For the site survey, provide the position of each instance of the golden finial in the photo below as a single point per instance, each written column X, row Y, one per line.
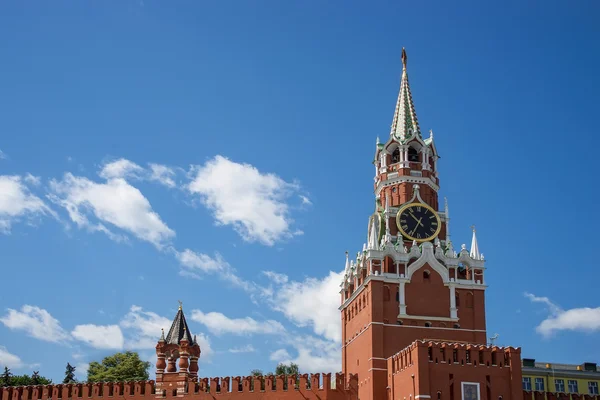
column 404, row 57
column 180, row 305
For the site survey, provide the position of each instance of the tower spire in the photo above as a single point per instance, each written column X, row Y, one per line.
column 474, row 246
column 405, row 124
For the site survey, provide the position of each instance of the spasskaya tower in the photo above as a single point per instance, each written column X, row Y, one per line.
column 408, row 282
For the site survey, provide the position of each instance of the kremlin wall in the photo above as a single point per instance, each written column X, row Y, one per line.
column 412, row 311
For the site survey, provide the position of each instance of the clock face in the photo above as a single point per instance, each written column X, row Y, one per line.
column 418, row 221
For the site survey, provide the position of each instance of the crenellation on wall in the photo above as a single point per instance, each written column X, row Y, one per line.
column 309, row 386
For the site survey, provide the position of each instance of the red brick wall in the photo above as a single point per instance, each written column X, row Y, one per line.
column 195, row 390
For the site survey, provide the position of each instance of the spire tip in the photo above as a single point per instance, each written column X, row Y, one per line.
column 404, row 57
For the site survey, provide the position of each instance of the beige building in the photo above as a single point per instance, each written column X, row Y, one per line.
column 561, row 378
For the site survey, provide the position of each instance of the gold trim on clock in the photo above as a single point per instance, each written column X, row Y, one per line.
column 427, row 206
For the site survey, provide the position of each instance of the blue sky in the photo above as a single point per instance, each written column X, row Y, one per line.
column 219, row 153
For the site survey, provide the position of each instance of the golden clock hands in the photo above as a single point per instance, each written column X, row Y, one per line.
column 415, row 218
column 418, row 223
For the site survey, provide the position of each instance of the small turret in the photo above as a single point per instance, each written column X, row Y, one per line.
column 178, row 344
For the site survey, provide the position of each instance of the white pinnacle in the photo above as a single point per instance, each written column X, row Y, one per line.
column 373, row 237
column 474, row 246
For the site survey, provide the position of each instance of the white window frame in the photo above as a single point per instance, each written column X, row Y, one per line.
column 556, row 386
column 536, row 380
column 526, row 379
column 462, row 389
column 576, row 386
column 592, row 384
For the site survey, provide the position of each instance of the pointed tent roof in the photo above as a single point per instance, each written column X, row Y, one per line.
column 405, row 124
column 179, row 329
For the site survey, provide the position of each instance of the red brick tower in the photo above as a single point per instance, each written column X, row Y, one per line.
column 408, row 283
column 178, row 344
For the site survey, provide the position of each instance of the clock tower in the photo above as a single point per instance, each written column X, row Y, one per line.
column 408, row 282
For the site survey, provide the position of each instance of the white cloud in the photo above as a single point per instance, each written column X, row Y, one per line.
column 162, row 174
column 107, row 337
column 583, row 319
column 275, row 277
column 145, row 327
column 312, row 354
column 16, row 202
column 305, row 200
column 254, row 203
column 312, row 302
column 9, row 360
column 121, row 168
column 81, row 371
column 280, row 355
column 315, row 354
column 244, row 349
column 196, row 265
column 37, row 322
column 219, row 324
column 193, row 263
column 126, row 169
column 32, row 180
column 115, row 202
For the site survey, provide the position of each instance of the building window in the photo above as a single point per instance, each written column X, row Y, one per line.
column 526, row 383
column 428, row 324
column 396, row 155
column 539, row 384
column 413, row 155
column 560, row 385
column 426, row 276
column 593, row 388
column 470, row 391
column 573, row 386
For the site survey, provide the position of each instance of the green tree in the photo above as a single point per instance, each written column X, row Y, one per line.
column 6, row 377
column 26, row 380
column 292, row 369
column 69, row 374
column 36, row 379
column 283, row 369
column 119, row 367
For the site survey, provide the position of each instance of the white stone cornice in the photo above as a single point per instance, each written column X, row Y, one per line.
column 406, row 178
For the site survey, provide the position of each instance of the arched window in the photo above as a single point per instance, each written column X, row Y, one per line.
column 469, row 300
column 398, row 297
column 413, row 154
column 396, row 155
column 428, row 324
column 457, row 299
column 426, row 276
column 456, row 326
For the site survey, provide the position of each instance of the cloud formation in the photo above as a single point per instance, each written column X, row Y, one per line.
column 312, row 302
column 9, row 360
column 584, row 319
column 219, row 324
column 115, row 203
column 37, row 323
column 17, row 202
column 254, row 203
column 106, row 337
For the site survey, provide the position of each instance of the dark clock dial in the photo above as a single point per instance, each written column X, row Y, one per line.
column 418, row 221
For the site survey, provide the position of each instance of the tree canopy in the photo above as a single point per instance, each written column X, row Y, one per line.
column 283, row 369
column 8, row 379
column 119, row 367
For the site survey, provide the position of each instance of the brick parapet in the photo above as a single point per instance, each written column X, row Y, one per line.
column 314, row 386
